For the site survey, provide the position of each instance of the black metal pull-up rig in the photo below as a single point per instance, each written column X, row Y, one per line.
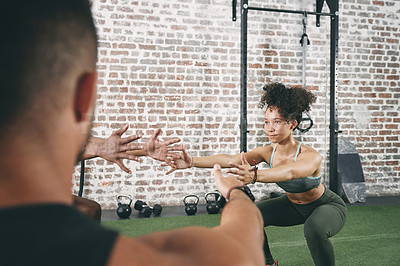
column 334, row 178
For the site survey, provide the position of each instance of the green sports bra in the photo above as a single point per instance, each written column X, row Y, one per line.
column 298, row 185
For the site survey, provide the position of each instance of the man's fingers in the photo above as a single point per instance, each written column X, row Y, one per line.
column 225, row 183
column 217, row 172
column 131, row 138
column 123, row 167
column 221, row 182
column 121, row 131
column 131, row 147
column 128, row 156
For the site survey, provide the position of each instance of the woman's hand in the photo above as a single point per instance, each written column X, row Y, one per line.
column 179, row 161
column 245, row 172
column 158, row 149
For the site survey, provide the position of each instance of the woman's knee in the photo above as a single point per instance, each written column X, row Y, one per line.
column 315, row 231
column 326, row 221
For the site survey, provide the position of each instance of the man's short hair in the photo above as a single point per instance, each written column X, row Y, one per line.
column 42, row 41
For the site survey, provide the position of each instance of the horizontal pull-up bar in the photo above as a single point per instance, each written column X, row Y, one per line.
column 287, row 11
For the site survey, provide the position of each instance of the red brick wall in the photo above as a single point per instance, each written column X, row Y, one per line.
column 176, row 65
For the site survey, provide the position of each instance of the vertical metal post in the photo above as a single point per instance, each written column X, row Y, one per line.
column 335, row 182
column 243, row 77
column 234, row 3
column 82, row 178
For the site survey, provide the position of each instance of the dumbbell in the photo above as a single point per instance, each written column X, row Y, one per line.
column 146, row 210
column 157, row 209
column 212, row 205
column 191, row 207
column 142, row 207
column 124, row 210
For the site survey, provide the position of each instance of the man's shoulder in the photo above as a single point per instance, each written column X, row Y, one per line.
column 48, row 232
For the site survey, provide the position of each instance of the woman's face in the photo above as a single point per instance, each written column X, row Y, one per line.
column 276, row 127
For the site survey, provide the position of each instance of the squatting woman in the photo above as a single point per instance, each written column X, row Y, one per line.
column 293, row 166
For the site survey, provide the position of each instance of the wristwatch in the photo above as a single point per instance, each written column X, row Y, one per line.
column 243, row 188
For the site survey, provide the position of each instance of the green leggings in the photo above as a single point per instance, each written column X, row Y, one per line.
column 322, row 219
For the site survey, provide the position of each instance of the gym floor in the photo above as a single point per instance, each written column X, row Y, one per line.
column 173, row 211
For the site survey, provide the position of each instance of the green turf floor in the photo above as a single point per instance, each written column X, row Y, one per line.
column 371, row 236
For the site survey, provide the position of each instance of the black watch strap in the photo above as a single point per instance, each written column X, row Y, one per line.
column 243, row 188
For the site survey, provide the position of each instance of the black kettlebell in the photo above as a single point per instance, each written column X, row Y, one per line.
column 221, row 201
column 212, row 205
column 124, row 210
column 191, row 207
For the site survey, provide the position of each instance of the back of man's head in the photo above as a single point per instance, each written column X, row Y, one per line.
column 43, row 42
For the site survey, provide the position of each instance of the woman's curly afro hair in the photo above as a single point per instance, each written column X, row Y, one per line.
column 290, row 101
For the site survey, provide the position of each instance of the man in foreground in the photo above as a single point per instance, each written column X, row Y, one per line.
column 47, row 101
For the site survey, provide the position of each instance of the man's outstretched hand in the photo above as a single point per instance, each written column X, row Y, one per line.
column 224, row 183
column 115, row 148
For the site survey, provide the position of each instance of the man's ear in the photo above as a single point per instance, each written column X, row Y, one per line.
column 85, row 95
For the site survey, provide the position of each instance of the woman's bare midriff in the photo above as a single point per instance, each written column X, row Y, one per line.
column 307, row 197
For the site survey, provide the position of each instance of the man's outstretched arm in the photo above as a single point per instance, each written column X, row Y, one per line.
column 237, row 240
